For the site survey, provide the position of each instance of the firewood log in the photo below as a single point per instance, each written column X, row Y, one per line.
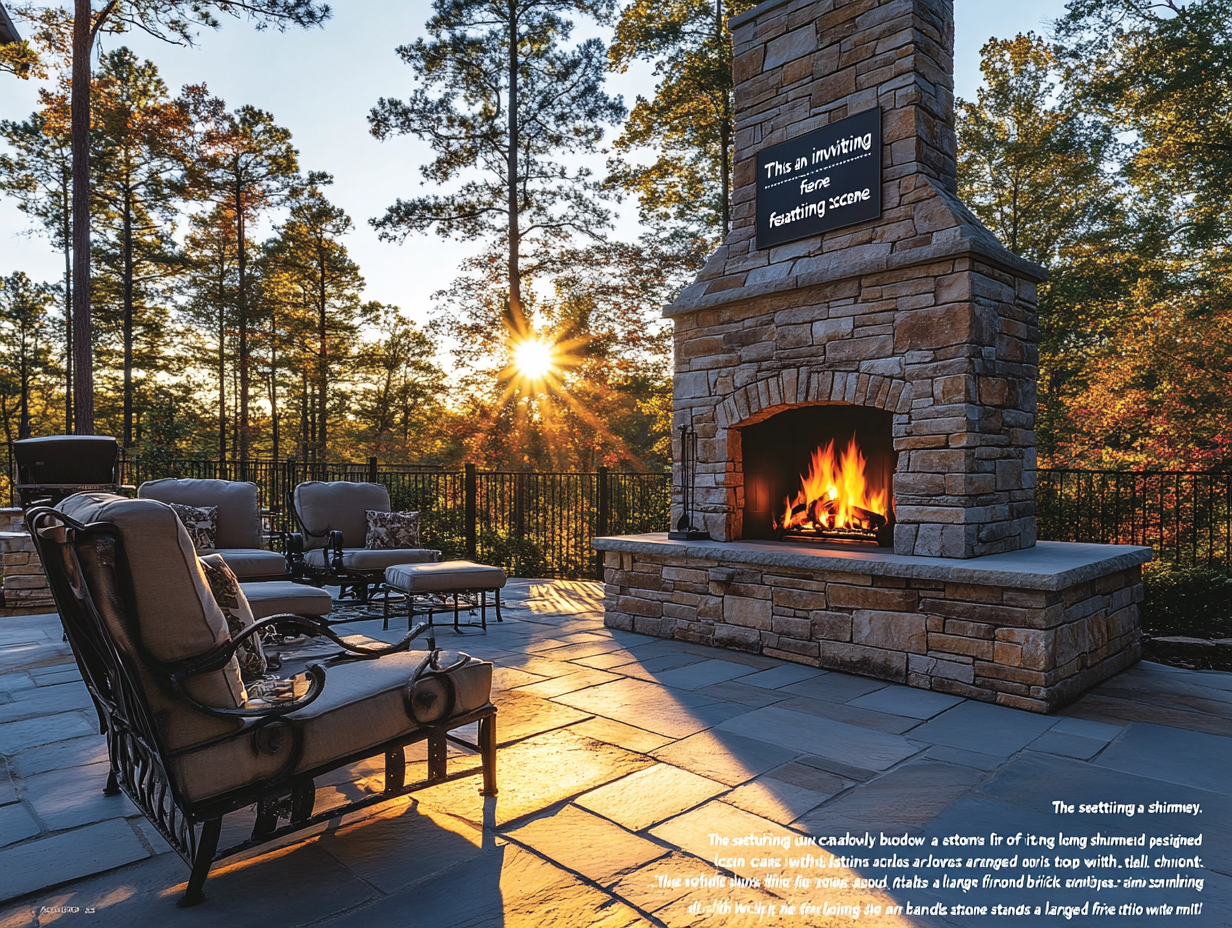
column 870, row 520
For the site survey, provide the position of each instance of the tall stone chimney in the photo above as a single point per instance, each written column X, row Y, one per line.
column 907, row 305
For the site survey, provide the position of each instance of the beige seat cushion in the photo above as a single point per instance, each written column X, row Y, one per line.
column 362, row 707
column 339, row 506
column 446, row 575
column 176, row 615
column 251, row 563
column 238, row 502
column 365, row 559
column 278, row 596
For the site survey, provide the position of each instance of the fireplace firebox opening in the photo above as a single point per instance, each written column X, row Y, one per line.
column 821, row 472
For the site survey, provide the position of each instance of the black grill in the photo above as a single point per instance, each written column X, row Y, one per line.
column 51, row 468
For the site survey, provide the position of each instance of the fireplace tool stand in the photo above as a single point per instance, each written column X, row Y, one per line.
column 684, row 529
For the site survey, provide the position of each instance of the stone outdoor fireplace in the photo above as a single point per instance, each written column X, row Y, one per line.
column 858, row 361
column 919, row 313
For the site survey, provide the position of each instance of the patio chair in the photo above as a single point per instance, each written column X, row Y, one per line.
column 188, row 740
column 332, row 549
column 238, row 535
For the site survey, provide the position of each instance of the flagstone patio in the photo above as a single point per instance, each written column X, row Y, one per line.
column 621, row 756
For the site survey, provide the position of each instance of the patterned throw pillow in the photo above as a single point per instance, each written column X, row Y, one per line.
column 201, row 522
column 392, row 530
column 234, row 605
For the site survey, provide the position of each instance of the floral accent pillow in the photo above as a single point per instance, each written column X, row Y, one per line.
column 271, row 690
column 234, row 605
column 392, row 530
column 201, row 522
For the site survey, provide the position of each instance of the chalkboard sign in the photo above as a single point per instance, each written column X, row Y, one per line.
column 825, row 180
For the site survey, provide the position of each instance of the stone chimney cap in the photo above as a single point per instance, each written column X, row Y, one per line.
column 744, row 17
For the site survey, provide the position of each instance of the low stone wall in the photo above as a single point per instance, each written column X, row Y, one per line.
column 25, row 586
column 1024, row 638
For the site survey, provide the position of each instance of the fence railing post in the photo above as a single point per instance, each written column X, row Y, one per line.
column 470, row 488
column 604, row 524
column 519, row 505
column 372, row 470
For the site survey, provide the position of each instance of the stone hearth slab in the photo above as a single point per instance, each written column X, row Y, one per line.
column 1031, row 628
column 1050, row 565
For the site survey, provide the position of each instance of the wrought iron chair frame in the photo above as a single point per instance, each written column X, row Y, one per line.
column 363, row 584
column 87, row 568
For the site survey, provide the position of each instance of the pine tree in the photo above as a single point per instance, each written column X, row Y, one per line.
column 24, row 345
column 209, row 305
column 38, row 175
column 690, row 119
column 509, row 99
column 171, row 20
column 140, row 140
column 310, row 274
column 244, row 163
column 401, row 389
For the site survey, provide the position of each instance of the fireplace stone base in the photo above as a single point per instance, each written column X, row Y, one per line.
column 1032, row 629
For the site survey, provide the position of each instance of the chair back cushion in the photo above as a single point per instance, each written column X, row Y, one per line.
column 238, row 502
column 337, row 507
column 175, row 611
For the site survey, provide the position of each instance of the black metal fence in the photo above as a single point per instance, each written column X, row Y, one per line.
column 540, row 524
column 532, row 524
column 1186, row 516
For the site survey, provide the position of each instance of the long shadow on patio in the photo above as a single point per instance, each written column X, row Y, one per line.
column 621, row 757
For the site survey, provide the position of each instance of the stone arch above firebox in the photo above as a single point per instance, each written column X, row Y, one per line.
column 804, row 385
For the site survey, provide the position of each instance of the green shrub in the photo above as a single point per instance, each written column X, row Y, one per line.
column 1194, row 601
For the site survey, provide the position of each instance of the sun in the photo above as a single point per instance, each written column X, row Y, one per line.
column 534, row 358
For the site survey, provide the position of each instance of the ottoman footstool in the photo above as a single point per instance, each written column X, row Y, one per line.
column 465, row 581
column 278, row 596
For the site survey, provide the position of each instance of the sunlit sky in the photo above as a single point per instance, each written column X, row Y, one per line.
column 321, row 84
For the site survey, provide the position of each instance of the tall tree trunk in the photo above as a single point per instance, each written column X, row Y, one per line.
column 235, row 420
column 66, row 186
column 322, row 357
column 222, row 360
column 273, row 382
column 128, row 318
column 724, row 134
column 23, row 417
column 517, row 319
column 304, row 443
column 242, row 265
column 83, row 375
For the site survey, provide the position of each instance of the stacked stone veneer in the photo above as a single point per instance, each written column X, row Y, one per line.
column 921, row 313
column 25, row 585
column 1018, row 646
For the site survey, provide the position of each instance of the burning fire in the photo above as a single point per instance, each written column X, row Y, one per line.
column 834, row 496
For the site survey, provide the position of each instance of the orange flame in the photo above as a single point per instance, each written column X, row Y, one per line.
column 834, row 495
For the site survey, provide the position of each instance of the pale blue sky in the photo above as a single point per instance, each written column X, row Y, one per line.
column 321, row 84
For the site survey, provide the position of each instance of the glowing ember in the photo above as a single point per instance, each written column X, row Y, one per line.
column 834, row 496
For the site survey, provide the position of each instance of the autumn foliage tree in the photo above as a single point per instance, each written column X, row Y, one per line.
column 689, row 121
column 1155, row 392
